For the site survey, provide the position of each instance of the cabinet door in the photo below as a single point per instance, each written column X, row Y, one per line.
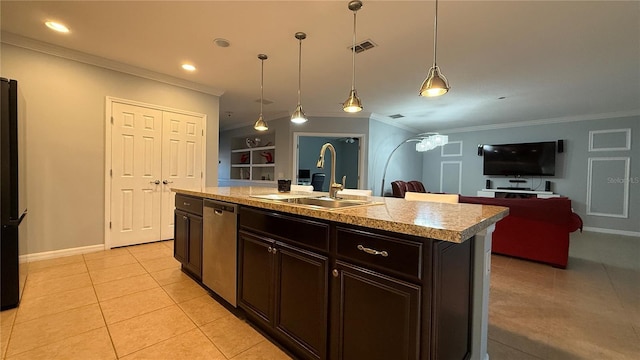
column 373, row 316
column 301, row 303
column 194, row 251
column 181, row 236
column 256, row 276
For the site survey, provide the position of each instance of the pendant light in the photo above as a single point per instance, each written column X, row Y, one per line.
column 260, row 124
column 436, row 83
column 353, row 103
column 298, row 116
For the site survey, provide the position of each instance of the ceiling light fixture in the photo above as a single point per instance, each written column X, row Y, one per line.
column 298, row 116
column 260, row 124
column 221, row 42
column 188, row 67
column 353, row 103
column 57, row 26
column 436, row 83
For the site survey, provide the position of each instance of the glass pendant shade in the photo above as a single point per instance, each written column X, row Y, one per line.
column 298, row 116
column 431, row 142
column 353, row 103
column 435, row 84
column 260, row 124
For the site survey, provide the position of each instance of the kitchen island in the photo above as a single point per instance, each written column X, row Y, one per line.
column 391, row 279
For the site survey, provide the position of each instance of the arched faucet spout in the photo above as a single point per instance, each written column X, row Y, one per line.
column 334, row 187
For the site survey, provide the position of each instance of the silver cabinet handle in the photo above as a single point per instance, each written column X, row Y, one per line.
column 184, row 218
column 157, row 182
column 167, row 182
column 186, row 204
column 270, row 249
column 373, row 251
column 335, row 273
column 274, row 251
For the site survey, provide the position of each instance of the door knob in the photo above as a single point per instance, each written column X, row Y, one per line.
column 157, row 182
column 167, row 182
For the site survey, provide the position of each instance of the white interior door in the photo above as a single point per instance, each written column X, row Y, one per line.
column 136, row 166
column 181, row 162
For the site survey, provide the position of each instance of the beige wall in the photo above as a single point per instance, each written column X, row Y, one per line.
column 66, row 140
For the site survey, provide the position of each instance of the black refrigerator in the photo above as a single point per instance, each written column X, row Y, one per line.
column 13, row 203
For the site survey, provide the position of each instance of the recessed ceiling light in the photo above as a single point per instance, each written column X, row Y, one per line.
column 188, row 67
column 221, row 42
column 57, row 26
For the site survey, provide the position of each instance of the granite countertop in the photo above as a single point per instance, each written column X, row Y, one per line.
column 449, row 222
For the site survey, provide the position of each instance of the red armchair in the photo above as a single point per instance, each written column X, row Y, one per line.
column 535, row 229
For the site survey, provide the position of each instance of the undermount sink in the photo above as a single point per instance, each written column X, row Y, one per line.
column 327, row 202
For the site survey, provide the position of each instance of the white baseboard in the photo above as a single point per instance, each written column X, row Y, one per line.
column 60, row 253
column 612, row 231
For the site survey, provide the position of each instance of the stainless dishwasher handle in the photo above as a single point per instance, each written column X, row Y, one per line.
column 373, row 251
column 218, row 212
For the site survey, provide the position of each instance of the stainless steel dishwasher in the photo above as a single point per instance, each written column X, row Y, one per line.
column 219, row 249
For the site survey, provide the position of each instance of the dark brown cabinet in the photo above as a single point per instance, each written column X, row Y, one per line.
column 256, row 277
column 373, row 316
column 187, row 245
column 326, row 290
column 301, row 299
column 375, row 296
column 285, row 288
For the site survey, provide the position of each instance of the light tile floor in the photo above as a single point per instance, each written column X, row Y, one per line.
column 126, row 303
column 591, row 310
column 135, row 303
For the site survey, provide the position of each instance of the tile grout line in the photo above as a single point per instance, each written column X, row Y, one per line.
column 64, row 338
column 174, row 303
column 187, row 315
column 13, row 323
column 113, row 346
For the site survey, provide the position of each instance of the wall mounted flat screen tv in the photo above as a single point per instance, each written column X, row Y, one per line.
column 527, row 159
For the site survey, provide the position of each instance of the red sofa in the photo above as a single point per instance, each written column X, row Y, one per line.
column 535, row 229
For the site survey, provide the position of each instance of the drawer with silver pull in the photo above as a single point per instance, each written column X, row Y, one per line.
column 189, row 204
column 397, row 256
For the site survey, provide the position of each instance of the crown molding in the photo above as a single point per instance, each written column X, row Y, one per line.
column 66, row 53
column 564, row 119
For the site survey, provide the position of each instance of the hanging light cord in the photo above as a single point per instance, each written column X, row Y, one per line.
column 299, row 68
column 353, row 52
column 435, row 35
column 261, row 84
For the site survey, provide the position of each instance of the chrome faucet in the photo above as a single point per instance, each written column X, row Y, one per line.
column 334, row 187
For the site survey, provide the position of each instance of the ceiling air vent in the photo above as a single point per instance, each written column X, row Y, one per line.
column 365, row 45
column 264, row 101
column 396, row 116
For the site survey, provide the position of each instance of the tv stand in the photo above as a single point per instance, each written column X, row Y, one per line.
column 513, row 188
column 513, row 193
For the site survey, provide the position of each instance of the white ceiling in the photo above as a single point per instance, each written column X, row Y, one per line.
column 550, row 59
